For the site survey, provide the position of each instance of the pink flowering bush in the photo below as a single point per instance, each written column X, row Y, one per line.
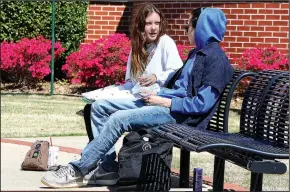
column 100, row 63
column 257, row 59
column 28, row 61
column 183, row 51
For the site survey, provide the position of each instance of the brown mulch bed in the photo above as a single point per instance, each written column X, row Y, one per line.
column 44, row 88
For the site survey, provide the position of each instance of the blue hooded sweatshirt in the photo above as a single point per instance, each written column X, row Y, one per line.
column 210, row 28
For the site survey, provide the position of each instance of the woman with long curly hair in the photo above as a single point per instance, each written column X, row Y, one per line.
column 154, row 55
column 153, row 59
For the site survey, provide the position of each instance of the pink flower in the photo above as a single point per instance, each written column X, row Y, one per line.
column 28, row 60
column 183, row 51
column 257, row 59
column 100, row 63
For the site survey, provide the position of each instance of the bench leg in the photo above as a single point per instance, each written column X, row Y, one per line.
column 184, row 168
column 87, row 118
column 218, row 174
column 256, row 181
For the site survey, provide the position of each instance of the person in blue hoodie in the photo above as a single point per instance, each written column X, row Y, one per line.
column 191, row 98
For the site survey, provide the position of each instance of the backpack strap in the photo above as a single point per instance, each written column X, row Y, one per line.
column 139, row 134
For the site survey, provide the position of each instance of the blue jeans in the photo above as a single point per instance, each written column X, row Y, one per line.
column 112, row 118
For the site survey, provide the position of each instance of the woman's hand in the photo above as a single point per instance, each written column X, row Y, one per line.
column 157, row 100
column 145, row 93
column 147, row 80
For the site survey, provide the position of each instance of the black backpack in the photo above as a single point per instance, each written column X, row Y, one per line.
column 144, row 162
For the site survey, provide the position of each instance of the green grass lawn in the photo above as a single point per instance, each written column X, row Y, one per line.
column 43, row 115
column 39, row 115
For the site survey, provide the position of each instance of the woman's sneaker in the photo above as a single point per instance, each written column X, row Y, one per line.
column 100, row 176
column 65, row 177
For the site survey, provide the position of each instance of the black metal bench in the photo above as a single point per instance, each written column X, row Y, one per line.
column 263, row 136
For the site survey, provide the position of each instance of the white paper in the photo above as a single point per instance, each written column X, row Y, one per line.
column 110, row 92
column 116, row 92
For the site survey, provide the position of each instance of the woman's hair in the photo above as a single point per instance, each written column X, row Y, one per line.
column 195, row 15
column 139, row 55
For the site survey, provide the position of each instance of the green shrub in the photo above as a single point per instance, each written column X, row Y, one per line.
column 20, row 19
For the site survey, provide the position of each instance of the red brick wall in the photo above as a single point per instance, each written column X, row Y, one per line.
column 107, row 18
column 249, row 24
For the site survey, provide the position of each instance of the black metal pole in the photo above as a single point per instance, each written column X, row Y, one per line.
column 52, row 48
column 184, row 168
column 256, row 181
column 218, row 174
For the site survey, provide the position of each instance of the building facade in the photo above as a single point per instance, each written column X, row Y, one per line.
column 249, row 23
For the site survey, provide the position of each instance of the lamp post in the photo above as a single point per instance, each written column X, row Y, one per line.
column 52, row 49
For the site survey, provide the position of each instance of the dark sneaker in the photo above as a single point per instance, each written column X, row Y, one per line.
column 65, row 177
column 100, row 176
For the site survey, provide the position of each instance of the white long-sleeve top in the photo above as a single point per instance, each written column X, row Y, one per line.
column 164, row 63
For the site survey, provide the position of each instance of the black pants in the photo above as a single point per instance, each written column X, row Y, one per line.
column 87, row 119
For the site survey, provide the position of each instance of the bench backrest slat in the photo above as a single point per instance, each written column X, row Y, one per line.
column 265, row 108
column 219, row 121
column 273, row 120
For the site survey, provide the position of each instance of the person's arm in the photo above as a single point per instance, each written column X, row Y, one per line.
column 172, row 93
column 217, row 73
column 171, row 60
column 179, row 91
column 128, row 85
column 199, row 104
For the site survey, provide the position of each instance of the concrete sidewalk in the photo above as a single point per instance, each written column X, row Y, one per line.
column 12, row 155
column 13, row 151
